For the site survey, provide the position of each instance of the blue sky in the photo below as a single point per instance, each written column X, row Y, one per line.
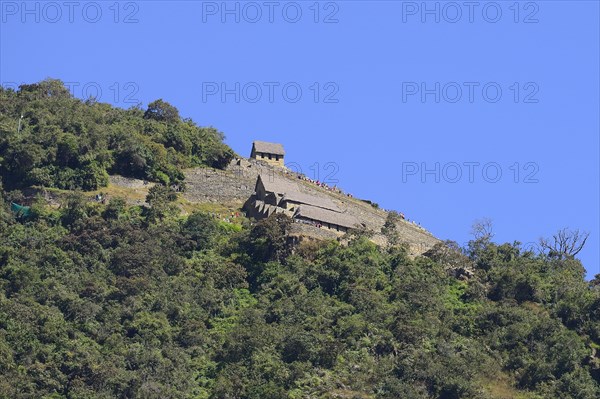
column 446, row 111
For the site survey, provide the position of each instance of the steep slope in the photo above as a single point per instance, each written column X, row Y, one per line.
column 236, row 184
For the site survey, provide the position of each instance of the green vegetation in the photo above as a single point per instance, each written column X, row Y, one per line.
column 63, row 142
column 118, row 301
column 104, row 301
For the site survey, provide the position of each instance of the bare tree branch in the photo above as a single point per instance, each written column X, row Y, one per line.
column 482, row 229
column 565, row 244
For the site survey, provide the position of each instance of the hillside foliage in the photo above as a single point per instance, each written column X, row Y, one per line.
column 105, row 301
column 51, row 139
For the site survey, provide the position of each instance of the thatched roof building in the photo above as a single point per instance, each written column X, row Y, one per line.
column 271, row 153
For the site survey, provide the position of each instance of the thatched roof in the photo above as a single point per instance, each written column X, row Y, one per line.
column 274, row 184
column 326, row 216
column 309, row 199
column 268, row 148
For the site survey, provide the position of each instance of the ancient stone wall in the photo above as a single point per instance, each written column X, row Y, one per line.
column 236, row 184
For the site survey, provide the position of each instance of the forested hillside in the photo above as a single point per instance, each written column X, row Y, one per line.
column 49, row 138
column 117, row 301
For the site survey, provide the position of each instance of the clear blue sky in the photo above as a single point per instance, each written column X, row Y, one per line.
column 388, row 90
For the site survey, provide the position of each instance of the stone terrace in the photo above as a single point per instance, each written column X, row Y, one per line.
column 236, row 184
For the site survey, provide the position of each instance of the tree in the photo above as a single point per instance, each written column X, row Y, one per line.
column 482, row 229
column 450, row 255
column 160, row 110
column 115, row 207
column 201, row 229
column 47, row 88
column 389, row 229
column 160, row 198
column 73, row 208
column 67, row 150
column 565, row 244
column 270, row 238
